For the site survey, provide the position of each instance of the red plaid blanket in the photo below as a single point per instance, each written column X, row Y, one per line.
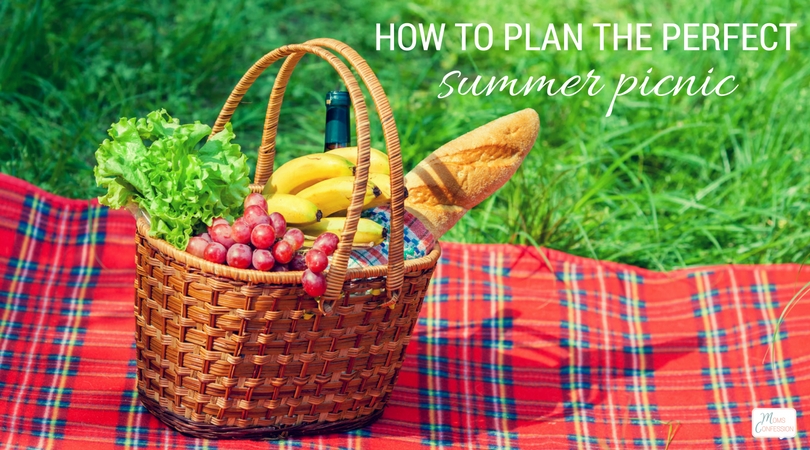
column 511, row 351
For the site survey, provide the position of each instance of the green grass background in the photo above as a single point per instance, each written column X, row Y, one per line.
column 662, row 183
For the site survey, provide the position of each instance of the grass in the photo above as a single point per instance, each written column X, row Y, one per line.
column 663, row 183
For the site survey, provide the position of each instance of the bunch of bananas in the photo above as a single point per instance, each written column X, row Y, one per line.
column 313, row 192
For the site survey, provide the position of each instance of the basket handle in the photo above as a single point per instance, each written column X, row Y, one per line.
column 337, row 273
column 264, row 166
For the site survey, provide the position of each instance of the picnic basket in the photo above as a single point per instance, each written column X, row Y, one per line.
column 243, row 354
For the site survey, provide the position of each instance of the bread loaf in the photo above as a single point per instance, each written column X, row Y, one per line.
column 467, row 170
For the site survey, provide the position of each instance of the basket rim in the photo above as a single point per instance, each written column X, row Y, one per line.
column 256, row 276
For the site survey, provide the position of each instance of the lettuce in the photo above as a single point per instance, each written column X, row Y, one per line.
column 156, row 163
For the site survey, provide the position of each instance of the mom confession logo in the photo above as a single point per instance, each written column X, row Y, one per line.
column 609, row 37
column 773, row 422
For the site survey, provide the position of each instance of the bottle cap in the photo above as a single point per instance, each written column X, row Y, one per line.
column 338, row 98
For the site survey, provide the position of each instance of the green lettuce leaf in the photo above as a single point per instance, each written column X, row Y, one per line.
column 183, row 186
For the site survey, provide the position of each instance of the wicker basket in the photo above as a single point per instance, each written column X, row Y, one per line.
column 235, row 353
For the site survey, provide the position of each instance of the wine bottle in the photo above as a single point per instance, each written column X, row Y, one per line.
column 337, row 133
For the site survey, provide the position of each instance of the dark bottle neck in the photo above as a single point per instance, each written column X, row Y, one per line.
column 338, row 133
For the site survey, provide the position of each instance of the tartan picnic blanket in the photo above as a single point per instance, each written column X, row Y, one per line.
column 515, row 348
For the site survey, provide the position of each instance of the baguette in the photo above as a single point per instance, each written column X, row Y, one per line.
column 465, row 171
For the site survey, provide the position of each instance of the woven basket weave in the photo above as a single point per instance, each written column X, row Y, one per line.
column 236, row 353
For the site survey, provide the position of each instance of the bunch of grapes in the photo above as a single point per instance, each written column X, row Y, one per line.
column 262, row 241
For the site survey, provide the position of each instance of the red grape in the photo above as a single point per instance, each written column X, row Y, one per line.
column 240, row 231
column 219, row 220
column 280, row 268
column 256, row 215
column 279, row 223
column 216, row 222
column 207, row 237
column 256, row 199
column 295, row 237
column 263, row 236
column 196, row 246
column 263, row 260
column 216, row 253
column 221, row 233
column 298, row 263
column 317, row 260
column 240, row 256
column 283, row 252
column 327, row 243
column 314, row 283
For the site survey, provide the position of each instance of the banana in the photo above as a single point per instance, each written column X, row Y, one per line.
column 383, row 182
column 295, row 210
column 379, row 160
column 300, row 173
column 335, row 194
column 368, row 231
